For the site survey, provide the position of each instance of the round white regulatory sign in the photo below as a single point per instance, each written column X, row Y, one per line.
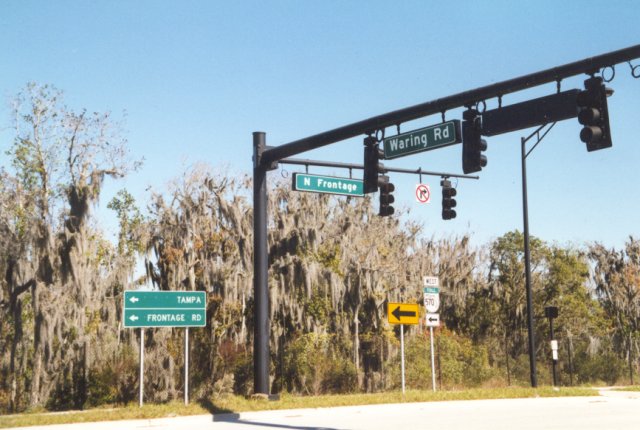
column 422, row 193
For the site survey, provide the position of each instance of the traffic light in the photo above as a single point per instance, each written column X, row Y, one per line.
column 472, row 142
column 374, row 178
column 448, row 201
column 594, row 114
column 372, row 166
column 386, row 198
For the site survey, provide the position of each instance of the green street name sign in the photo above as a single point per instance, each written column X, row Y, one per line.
column 424, row 139
column 164, row 318
column 327, row 184
column 165, row 309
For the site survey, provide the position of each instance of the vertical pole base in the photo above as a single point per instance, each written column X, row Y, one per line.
column 141, row 379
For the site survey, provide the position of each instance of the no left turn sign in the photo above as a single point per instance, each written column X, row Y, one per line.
column 423, row 194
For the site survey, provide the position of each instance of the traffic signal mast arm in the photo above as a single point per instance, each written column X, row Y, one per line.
column 419, row 171
column 467, row 98
column 386, row 188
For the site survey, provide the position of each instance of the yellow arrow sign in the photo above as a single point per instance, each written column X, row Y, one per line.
column 403, row 313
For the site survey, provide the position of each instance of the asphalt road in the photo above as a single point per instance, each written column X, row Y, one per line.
column 615, row 411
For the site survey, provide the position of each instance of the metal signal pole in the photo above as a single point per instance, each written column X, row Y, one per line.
column 527, row 251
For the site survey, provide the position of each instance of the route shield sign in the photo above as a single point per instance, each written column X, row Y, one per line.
column 431, row 293
column 424, row 139
column 431, row 299
column 403, row 313
column 328, row 184
column 165, row 309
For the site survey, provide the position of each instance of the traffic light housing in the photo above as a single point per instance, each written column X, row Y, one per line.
column 386, row 198
column 473, row 145
column 373, row 168
column 594, row 114
column 448, row 201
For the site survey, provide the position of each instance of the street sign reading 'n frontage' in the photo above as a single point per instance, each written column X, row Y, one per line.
column 165, row 309
column 328, row 184
column 424, row 139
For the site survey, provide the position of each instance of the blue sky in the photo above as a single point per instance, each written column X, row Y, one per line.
column 196, row 78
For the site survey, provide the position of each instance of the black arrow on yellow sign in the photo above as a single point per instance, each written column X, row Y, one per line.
column 399, row 313
column 403, row 313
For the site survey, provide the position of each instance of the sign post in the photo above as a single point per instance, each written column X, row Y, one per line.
column 432, row 303
column 433, row 366
column 186, row 366
column 402, row 313
column 141, row 366
column 165, row 309
column 402, row 355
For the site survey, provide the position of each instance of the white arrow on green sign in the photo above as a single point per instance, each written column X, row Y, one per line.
column 424, row 139
column 327, row 184
column 165, row 309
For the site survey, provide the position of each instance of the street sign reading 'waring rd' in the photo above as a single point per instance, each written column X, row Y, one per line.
column 164, row 309
column 424, row 139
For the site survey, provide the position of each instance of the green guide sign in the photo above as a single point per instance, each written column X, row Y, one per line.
column 165, row 308
column 424, row 139
column 327, row 184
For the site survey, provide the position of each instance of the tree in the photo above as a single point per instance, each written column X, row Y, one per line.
column 580, row 315
column 59, row 159
column 617, row 280
column 507, row 288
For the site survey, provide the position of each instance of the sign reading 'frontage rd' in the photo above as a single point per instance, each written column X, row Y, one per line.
column 327, row 184
column 165, row 308
column 424, row 139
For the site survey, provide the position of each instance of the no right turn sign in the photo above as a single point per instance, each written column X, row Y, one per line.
column 423, row 194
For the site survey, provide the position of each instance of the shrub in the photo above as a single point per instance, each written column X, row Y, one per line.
column 458, row 362
column 315, row 364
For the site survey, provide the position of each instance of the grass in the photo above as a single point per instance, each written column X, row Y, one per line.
column 630, row 388
column 101, row 414
column 234, row 404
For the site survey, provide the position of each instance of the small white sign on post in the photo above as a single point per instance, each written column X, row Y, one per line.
column 433, row 320
column 431, row 281
column 554, row 350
